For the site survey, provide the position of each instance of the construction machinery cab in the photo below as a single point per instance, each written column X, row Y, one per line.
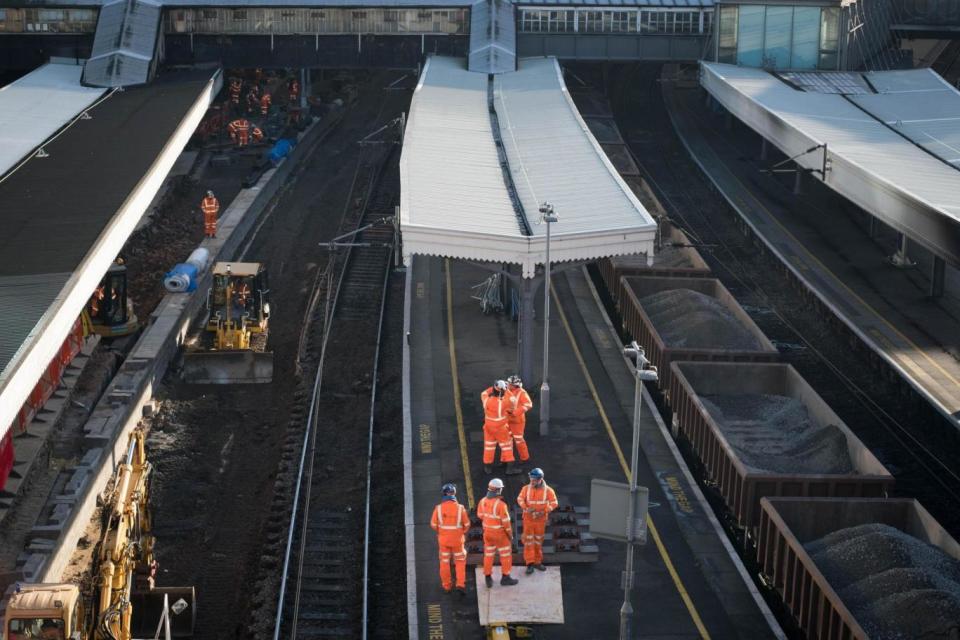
column 232, row 347
column 109, row 309
column 44, row 611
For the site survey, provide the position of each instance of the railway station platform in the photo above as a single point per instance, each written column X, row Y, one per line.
column 66, row 214
column 819, row 238
column 690, row 583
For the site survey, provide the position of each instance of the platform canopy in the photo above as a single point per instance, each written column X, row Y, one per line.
column 36, row 106
column 480, row 156
column 880, row 149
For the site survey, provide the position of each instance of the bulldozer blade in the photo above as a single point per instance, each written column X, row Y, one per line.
column 227, row 367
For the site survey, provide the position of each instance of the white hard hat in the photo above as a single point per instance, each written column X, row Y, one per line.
column 500, row 384
column 495, row 485
column 209, row 194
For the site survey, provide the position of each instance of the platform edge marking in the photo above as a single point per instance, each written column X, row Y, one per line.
column 451, row 347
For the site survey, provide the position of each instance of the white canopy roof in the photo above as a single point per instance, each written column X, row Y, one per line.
column 462, row 198
column 36, row 106
column 869, row 162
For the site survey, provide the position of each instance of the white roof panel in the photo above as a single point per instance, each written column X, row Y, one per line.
column 871, row 164
column 36, row 106
column 555, row 158
column 920, row 105
column 455, row 200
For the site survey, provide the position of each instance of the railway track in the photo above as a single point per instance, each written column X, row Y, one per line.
column 868, row 402
column 325, row 572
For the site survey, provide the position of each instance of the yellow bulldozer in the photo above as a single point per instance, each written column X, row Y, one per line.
column 232, row 346
column 119, row 600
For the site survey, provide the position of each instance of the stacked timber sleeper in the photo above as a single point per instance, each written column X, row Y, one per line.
column 847, row 561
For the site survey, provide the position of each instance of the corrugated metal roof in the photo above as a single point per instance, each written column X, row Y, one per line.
column 454, row 199
column 876, row 161
column 124, row 44
column 920, row 105
column 450, row 170
column 24, row 300
column 842, row 82
column 693, row 4
column 554, row 156
column 493, row 37
column 36, row 106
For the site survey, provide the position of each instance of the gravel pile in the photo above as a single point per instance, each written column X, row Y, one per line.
column 775, row 434
column 690, row 319
column 896, row 586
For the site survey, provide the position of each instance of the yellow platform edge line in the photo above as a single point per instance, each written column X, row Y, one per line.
column 461, row 434
column 652, row 528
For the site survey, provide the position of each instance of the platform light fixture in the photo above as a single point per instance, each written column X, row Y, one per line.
column 643, row 371
column 547, row 216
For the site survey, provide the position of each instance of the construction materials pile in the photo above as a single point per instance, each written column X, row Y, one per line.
column 775, row 434
column 689, row 319
column 895, row 585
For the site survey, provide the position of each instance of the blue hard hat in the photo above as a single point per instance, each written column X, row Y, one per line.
column 536, row 472
column 449, row 489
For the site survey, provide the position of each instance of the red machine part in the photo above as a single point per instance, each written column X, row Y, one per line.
column 42, row 391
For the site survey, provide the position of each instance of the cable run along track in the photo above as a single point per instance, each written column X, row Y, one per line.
column 324, row 579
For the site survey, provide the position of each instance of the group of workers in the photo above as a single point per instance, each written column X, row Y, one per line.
column 505, row 405
column 258, row 100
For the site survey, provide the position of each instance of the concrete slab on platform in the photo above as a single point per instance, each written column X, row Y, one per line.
column 537, row 599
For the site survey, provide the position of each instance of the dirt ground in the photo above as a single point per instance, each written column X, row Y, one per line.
column 217, row 451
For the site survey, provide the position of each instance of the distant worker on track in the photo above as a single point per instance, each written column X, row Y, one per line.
column 293, row 90
column 211, row 208
column 451, row 522
column 520, row 403
column 536, row 500
column 236, row 86
column 495, row 430
column 240, row 131
column 497, row 534
column 265, row 101
column 253, row 99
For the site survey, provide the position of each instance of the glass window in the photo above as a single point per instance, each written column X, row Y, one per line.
column 829, row 37
column 727, row 35
column 806, row 33
column 656, row 21
column 686, row 22
column 750, row 35
column 707, row 21
column 777, row 32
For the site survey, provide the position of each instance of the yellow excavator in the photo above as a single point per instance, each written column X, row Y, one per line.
column 232, row 347
column 109, row 310
column 120, row 601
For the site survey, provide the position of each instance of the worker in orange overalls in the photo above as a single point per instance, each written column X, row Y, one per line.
column 520, row 403
column 451, row 522
column 236, row 86
column 240, row 131
column 210, row 207
column 495, row 429
column 265, row 101
column 497, row 534
column 537, row 501
column 293, row 90
column 253, row 99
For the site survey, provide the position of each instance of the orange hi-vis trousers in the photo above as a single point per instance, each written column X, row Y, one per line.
column 497, row 434
column 516, row 428
column 533, row 532
column 210, row 224
column 458, row 554
column 496, row 541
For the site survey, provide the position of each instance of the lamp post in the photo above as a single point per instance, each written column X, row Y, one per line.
column 547, row 216
column 642, row 371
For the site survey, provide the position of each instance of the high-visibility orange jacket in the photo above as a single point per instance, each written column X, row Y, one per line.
column 210, row 206
column 265, row 101
column 240, row 125
column 495, row 410
column 293, row 90
column 451, row 522
column 494, row 514
column 535, row 500
column 235, row 87
column 520, row 403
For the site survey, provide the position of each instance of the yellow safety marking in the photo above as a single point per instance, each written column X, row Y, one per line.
column 651, row 527
column 840, row 282
column 464, row 459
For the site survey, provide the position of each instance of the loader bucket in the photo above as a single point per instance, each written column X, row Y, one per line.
column 227, row 367
column 148, row 608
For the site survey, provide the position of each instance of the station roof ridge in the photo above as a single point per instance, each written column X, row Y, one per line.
column 267, row 4
column 454, row 198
